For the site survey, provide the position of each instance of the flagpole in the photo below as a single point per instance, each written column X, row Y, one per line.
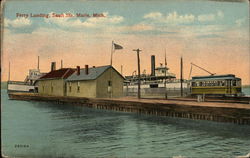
column 112, row 48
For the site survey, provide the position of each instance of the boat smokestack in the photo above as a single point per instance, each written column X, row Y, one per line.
column 86, row 69
column 61, row 64
column 152, row 65
column 53, row 66
column 78, row 70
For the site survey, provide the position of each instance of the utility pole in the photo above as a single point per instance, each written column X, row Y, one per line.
column 139, row 72
column 181, row 77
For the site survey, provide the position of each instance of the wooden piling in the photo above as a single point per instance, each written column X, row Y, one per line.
column 220, row 114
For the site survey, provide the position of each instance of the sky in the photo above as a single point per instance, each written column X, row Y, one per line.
column 211, row 34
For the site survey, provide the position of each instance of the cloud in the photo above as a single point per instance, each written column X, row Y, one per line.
column 175, row 18
column 239, row 22
column 209, row 36
column 90, row 22
column 153, row 15
column 140, row 27
column 210, row 17
column 172, row 18
column 17, row 23
column 207, row 17
column 220, row 14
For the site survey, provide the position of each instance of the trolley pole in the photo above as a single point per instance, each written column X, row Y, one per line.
column 139, row 72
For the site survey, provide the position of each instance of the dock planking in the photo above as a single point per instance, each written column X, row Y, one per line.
column 210, row 110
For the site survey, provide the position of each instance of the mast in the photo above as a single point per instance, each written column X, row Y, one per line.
column 9, row 72
column 181, row 77
column 165, row 74
column 38, row 63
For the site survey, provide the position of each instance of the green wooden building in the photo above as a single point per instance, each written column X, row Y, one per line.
column 95, row 82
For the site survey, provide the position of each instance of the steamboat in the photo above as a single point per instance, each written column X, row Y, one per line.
column 29, row 83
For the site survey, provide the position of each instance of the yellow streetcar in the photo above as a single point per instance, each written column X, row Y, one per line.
column 226, row 85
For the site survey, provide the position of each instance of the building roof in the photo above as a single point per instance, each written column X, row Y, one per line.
column 93, row 73
column 61, row 73
column 215, row 77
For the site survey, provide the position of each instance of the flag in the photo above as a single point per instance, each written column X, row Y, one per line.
column 116, row 46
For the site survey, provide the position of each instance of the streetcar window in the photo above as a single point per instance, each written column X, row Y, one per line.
column 222, row 83
column 216, row 83
column 200, row 83
column 239, row 83
column 212, row 83
column 203, row 84
column 193, row 84
column 234, row 83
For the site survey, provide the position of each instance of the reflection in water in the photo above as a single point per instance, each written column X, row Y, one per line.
column 54, row 130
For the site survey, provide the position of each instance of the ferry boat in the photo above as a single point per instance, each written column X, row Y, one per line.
column 28, row 85
column 159, row 81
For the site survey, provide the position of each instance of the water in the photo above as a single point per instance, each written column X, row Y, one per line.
column 52, row 130
column 246, row 90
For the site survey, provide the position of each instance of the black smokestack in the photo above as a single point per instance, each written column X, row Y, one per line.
column 53, row 66
column 152, row 65
column 86, row 69
column 78, row 70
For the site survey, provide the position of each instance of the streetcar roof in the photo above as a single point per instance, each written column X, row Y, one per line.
column 215, row 77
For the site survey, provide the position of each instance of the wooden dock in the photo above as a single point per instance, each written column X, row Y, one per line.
column 212, row 110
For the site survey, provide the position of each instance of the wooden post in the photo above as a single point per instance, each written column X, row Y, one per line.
column 139, row 72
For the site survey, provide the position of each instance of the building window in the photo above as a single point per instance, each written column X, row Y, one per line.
column 70, row 86
column 109, row 86
column 78, row 87
column 109, row 83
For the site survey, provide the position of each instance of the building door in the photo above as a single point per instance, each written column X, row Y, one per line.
column 65, row 89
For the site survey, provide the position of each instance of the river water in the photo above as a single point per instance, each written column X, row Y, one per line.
column 40, row 129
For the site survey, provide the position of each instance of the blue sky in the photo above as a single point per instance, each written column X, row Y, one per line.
column 132, row 11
